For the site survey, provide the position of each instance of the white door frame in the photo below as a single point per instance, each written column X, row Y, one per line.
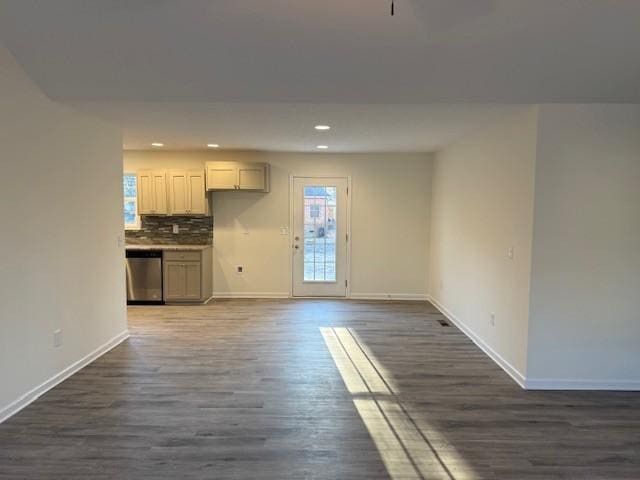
column 348, row 219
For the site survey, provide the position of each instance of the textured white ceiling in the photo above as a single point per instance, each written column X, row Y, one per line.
column 205, row 55
column 289, row 127
column 329, row 51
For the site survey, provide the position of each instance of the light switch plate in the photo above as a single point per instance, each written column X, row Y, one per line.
column 176, row 228
column 284, row 230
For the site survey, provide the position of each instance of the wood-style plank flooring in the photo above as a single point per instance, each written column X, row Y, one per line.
column 318, row 389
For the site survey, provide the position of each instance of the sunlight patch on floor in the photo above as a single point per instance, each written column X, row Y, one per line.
column 405, row 449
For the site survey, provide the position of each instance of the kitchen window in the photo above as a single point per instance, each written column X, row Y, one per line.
column 131, row 217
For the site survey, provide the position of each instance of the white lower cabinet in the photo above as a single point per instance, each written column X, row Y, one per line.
column 188, row 275
column 182, row 281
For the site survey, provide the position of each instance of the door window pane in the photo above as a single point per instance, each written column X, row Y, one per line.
column 320, row 233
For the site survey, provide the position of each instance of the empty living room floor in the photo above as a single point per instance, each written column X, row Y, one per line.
column 322, row 389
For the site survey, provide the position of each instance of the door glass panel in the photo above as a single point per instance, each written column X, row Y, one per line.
column 320, row 233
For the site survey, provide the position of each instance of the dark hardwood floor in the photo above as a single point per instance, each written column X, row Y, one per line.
column 319, row 389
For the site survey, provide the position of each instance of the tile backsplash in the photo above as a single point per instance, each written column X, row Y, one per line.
column 159, row 230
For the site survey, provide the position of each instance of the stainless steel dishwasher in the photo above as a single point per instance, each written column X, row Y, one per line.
column 144, row 277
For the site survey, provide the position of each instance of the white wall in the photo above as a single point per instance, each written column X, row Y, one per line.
column 482, row 205
column 585, row 293
column 390, row 220
column 561, row 185
column 61, row 210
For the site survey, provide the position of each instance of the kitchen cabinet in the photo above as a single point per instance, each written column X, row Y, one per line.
column 186, row 192
column 152, row 192
column 222, row 175
column 252, row 176
column 182, row 281
column 188, row 275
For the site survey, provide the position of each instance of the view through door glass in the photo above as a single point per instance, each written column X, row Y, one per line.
column 320, row 233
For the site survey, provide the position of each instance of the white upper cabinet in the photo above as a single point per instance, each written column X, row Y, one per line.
column 186, row 192
column 145, row 193
column 197, row 198
column 238, row 176
column 252, row 176
column 178, row 197
column 152, row 192
column 222, row 175
column 183, row 192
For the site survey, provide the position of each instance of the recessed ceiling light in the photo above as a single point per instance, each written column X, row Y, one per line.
column 157, row 144
column 322, row 147
column 322, row 127
column 212, row 145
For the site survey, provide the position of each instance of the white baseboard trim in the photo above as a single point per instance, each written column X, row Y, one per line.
column 353, row 296
column 571, row 384
column 250, row 295
column 537, row 383
column 389, row 296
column 513, row 372
column 41, row 389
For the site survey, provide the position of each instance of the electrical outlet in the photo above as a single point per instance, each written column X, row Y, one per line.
column 510, row 252
column 176, row 228
column 57, row 338
column 492, row 319
column 239, row 269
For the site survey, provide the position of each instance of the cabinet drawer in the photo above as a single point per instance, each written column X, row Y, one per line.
column 181, row 255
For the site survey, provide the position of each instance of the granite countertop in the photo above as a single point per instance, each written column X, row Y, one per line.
column 167, row 247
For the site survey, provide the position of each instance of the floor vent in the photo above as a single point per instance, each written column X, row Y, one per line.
column 444, row 323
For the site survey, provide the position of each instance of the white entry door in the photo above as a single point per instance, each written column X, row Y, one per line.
column 320, row 229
